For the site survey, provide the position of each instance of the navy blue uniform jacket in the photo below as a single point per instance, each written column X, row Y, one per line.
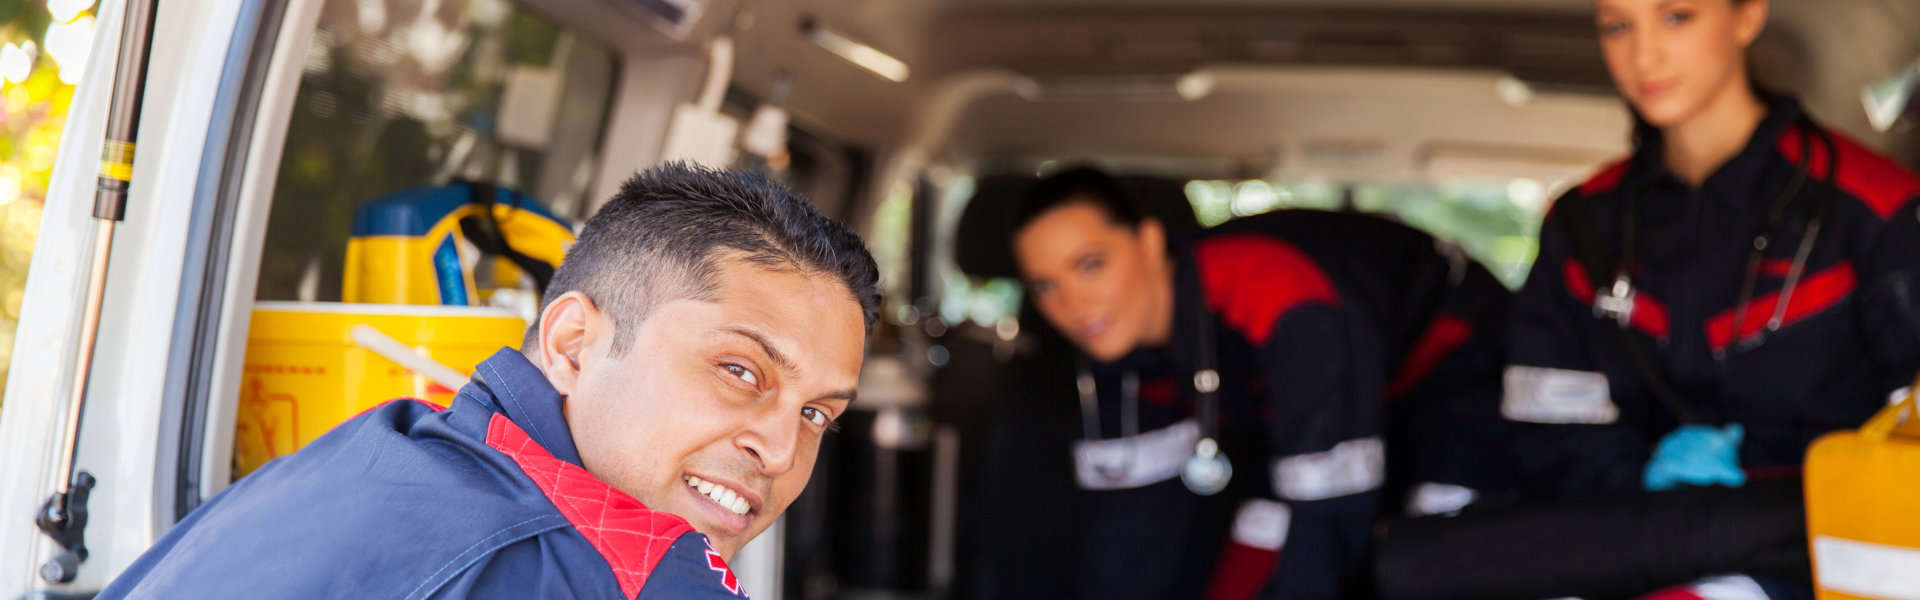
column 1849, row 333
column 1336, row 336
column 1796, row 365
column 486, row 499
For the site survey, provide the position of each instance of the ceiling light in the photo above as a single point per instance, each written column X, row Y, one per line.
column 1194, row 86
column 861, row 55
column 1512, row 91
column 1148, row 87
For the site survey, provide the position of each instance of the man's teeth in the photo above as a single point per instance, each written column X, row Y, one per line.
column 719, row 494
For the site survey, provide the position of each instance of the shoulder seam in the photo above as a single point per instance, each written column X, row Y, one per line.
column 1606, row 179
column 1874, row 181
column 1252, row 305
column 422, row 591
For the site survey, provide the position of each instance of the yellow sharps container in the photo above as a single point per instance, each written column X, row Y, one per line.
column 306, row 373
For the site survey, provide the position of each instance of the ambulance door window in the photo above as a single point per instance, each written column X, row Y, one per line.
column 1495, row 222
column 399, row 94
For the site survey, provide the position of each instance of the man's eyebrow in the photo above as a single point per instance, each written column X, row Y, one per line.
column 766, row 345
column 846, row 394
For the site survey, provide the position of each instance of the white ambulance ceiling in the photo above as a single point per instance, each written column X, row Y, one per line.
column 1826, row 49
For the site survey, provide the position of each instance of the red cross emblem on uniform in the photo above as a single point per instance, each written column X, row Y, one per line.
column 719, row 565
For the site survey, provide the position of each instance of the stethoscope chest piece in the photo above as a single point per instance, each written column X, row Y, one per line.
column 1207, row 470
column 1616, row 304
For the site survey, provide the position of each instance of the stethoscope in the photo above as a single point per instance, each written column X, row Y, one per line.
column 1617, row 303
column 1206, row 470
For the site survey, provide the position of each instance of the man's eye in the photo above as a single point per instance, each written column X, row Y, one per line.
column 1612, row 29
column 1040, row 288
column 1679, row 18
column 1091, row 265
column 816, row 416
column 743, row 373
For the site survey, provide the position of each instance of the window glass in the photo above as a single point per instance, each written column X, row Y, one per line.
column 1496, row 222
column 402, row 93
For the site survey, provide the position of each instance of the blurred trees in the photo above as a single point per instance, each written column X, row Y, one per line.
column 43, row 50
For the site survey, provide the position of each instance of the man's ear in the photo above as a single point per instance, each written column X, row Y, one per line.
column 1750, row 17
column 568, row 327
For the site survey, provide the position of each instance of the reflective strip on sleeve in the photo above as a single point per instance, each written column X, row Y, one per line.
column 1729, row 587
column 1542, row 395
column 1262, row 523
column 1431, row 498
column 1130, row 462
column 1351, row 467
column 1866, row 569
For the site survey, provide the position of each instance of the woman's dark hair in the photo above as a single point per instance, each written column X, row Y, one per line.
column 1083, row 184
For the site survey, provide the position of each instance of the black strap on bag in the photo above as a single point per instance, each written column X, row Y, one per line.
column 484, row 232
column 1583, row 233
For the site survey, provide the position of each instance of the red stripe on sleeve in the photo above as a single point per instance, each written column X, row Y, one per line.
column 1649, row 314
column 1816, row 292
column 1679, row 593
column 1607, row 179
column 1252, row 280
column 1444, row 335
column 1881, row 184
column 1241, row 572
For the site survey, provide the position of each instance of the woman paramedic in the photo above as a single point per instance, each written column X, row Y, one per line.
column 1703, row 309
column 1280, row 342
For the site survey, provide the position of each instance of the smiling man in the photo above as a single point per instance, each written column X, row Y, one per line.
column 696, row 343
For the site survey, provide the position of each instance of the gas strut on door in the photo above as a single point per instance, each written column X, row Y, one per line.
column 64, row 516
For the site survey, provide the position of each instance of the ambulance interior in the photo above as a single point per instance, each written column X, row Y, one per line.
column 919, row 123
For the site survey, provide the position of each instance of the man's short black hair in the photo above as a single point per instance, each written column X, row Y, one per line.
column 1078, row 185
column 659, row 239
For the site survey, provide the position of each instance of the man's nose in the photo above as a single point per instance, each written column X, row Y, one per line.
column 772, row 439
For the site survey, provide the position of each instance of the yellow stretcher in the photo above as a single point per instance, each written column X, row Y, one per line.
column 1863, row 507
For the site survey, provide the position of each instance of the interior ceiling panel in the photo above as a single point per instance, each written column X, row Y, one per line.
column 1826, row 49
column 1269, row 121
column 1559, row 45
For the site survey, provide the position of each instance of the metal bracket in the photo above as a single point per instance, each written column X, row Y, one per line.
column 64, row 518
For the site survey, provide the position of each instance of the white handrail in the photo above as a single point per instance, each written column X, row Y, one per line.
column 391, row 349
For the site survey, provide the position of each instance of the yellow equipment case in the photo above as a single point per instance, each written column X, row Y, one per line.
column 1863, row 507
column 421, row 267
column 305, row 372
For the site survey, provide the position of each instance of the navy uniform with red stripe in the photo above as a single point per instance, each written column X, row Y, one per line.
column 1334, row 333
column 485, row 499
column 1847, row 335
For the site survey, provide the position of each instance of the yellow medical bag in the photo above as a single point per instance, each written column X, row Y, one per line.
column 305, row 372
column 1863, row 507
column 414, row 275
column 425, row 245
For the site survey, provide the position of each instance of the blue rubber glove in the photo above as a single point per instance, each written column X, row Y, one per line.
column 1699, row 455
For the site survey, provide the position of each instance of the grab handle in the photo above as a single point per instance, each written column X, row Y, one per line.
column 1901, row 416
column 374, row 341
